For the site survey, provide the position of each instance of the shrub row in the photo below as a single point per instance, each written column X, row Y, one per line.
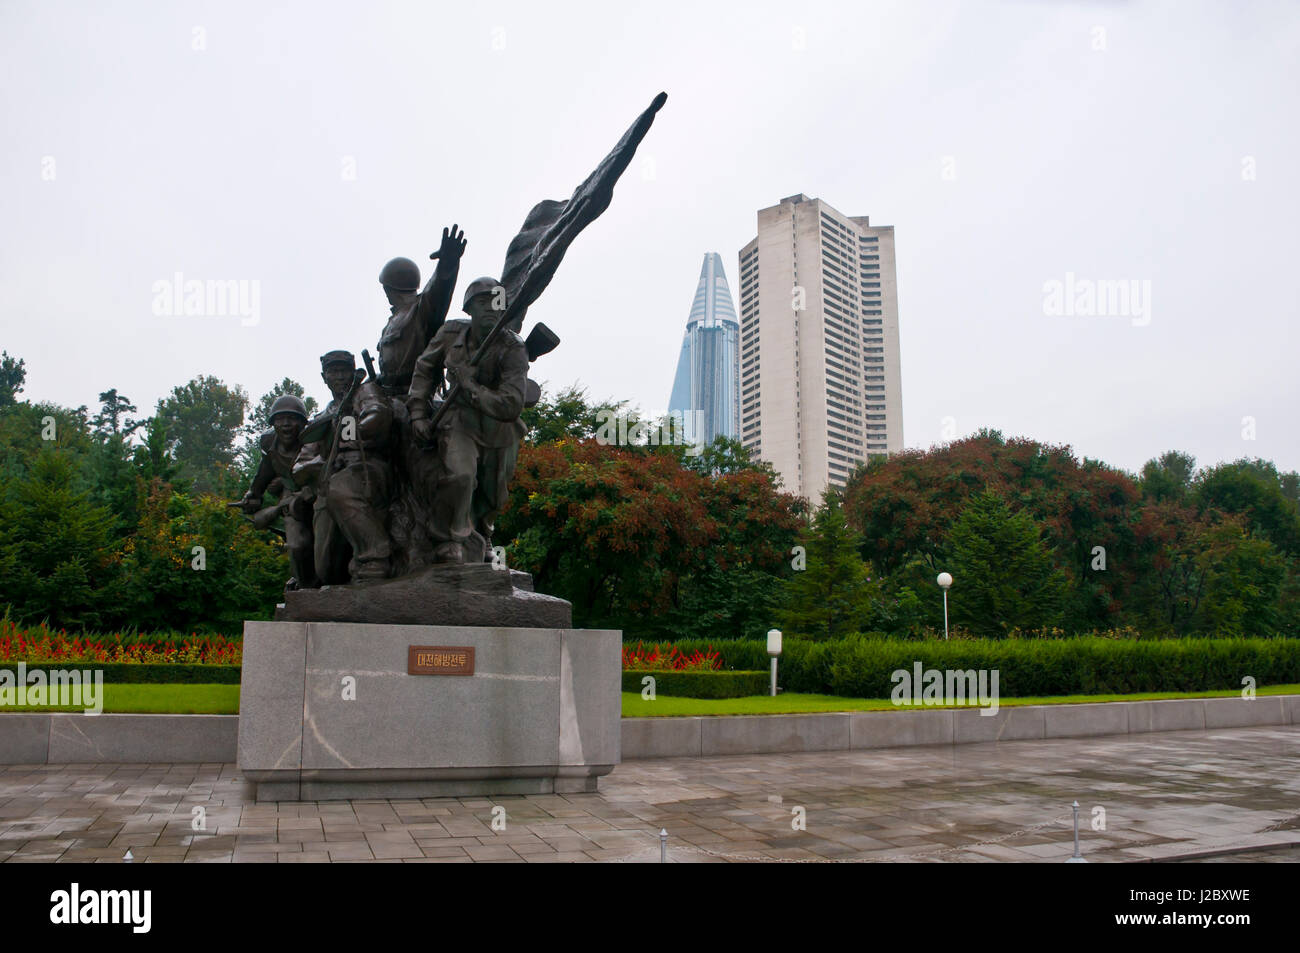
column 699, row 684
column 860, row 667
column 122, row 673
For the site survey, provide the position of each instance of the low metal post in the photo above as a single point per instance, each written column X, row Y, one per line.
column 1077, row 858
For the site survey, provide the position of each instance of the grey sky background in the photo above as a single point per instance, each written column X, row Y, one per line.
column 230, row 162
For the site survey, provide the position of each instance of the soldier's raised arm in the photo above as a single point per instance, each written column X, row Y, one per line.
column 435, row 300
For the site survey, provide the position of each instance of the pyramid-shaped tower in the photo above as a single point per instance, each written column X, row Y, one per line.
column 706, row 388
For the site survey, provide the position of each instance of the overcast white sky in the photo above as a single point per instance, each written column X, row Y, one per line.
column 130, row 155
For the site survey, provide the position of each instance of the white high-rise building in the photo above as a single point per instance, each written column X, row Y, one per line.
column 820, row 387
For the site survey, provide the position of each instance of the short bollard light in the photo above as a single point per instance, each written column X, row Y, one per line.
column 945, row 582
column 774, row 649
column 663, row 845
column 1078, row 857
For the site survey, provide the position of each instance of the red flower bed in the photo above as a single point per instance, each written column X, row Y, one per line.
column 42, row 644
column 671, row 660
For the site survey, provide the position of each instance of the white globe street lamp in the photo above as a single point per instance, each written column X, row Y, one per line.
column 774, row 649
column 944, row 580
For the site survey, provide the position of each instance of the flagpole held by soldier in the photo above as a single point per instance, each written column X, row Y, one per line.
column 477, row 427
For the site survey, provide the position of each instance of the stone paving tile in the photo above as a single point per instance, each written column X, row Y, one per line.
column 440, row 851
column 491, row 852
column 1165, row 796
column 350, row 852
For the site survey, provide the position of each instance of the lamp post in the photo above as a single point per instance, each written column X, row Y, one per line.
column 774, row 649
column 944, row 580
column 1076, row 858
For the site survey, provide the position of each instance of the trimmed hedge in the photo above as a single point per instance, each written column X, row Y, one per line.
column 860, row 667
column 701, row 684
column 123, row 673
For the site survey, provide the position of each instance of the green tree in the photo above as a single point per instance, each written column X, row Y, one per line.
column 726, row 455
column 1168, row 477
column 112, row 419
column 58, row 550
column 636, row 541
column 27, row 429
column 834, row 595
column 1254, row 490
column 195, row 564
column 1290, row 483
column 1003, row 574
column 13, row 374
column 1244, row 576
column 202, row 420
column 569, row 416
column 153, row 458
column 905, row 508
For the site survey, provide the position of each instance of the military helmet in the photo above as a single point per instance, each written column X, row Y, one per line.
column 337, row 357
column 401, row 274
column 288, row 404
column 481, row 286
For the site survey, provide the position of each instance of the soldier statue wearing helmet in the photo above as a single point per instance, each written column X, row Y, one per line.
column 280, row 447
column 415, row 315
column 477, row 439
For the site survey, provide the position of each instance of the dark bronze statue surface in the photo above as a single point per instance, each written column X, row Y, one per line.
column 389, row 496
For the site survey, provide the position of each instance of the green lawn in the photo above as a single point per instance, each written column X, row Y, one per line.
column 224, row 700
column 159, row 699
column 634, row 706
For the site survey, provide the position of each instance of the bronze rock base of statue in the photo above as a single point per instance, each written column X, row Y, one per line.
column 448, row 594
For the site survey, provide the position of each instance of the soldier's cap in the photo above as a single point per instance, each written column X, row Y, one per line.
column 481, row 286
column 337, row 357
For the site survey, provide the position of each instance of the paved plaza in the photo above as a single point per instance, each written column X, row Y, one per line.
column 1234, row 794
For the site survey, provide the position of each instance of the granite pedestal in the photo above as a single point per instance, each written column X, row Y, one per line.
column 329, row 711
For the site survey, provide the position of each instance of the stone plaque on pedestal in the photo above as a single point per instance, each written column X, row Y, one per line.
column 328, row 710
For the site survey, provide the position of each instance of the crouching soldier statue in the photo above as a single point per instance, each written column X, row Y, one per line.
column 346, row 461
column 478, row 437
column 280, row 448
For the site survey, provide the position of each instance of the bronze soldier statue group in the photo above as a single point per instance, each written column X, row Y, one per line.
column 371, row 488
column 409, row 465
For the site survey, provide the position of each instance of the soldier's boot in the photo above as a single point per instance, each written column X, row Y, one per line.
column 299, row 542
column 372, row 552
column 449, row 552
